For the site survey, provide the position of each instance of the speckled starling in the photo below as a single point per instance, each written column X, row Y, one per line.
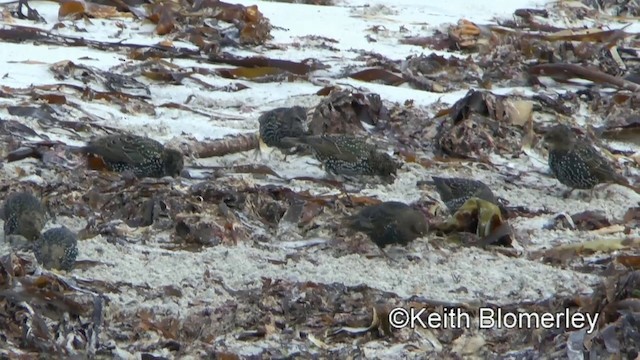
column 454, row 192
column 57, row 249
column 24, row 215
column 142, row 156
column 390, row 222
column 577, row 164
column 279, row 123
column 348, row 155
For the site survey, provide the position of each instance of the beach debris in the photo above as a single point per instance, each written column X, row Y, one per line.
column 203, row 48
column 35, row 305
column 219, row 147
column 476, row 122
column 345, row 111
column 261, row 69
column 379, row 324
column 584, row 221
column 481, row 218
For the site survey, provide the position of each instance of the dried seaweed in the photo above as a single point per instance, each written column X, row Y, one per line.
column 344, row 111
column 46, row 313
column 570, row 71
column 30, row 301
column 477, row 120
column 481, row 218
column 257, row 66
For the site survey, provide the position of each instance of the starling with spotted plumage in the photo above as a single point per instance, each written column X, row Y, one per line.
column 390, row 222
column 348, row 155
column 280, row 123
column 57, row 249
column 23, row 215
column 577, row 164
column 454, row 192
column 142, row 156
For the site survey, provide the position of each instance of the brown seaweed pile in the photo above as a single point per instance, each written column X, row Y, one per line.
column 59, row 314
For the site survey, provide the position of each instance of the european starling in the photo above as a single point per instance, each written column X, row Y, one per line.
column 348, row 155
column 142, row 156
column 279, row 123
column 57, row 249
column 390, row 222
column 577, row 164
column 454, row 192
column 24, row 215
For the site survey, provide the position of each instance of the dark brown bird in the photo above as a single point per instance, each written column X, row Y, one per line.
column 577, row 164
column 280, row 123
column 57, row 249
column 348, row 155
column 142, row 156
column 23, row 215
column 454, row 192
column 390, row 222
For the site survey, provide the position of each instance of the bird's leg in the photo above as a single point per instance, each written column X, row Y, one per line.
column 406, row 253
column 338, row 182
column 593, row 189
column 355, row 185
column 345, row 193
column 567, row 193
column 287, row 152
column 257, row 154
column 389, row 258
